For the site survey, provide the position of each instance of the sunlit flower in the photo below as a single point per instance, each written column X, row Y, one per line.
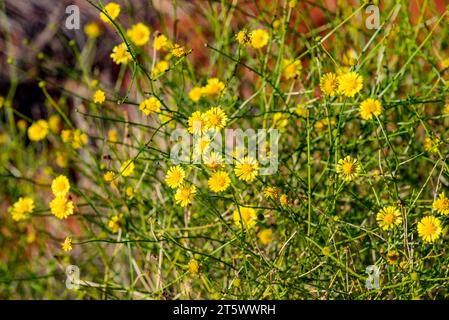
column 127, row 168
column 115, row 223
column 38, row 130
column 184, row 195
column 150, row 105
column 245, row 217
column 112, row 9
column 259, row 38
column 247, row 169
column 61, row 207
column 213, row 88
column 431, row 144
column 219, row 181
column 195, row 94
column 349, row 84
column 202, row 144
column 369, row 108
column 112, row 135
column 60, row 186
column 160, row 68
column 265, row 236
column 291, row 68
column 441, row 205
column 161, row 42
column 243, row 37
column 193, row 266
column 348, row 168
column 388, row 217
column 329, row 84
column 21, row 208
column 139, row 34
column 178, row 51
column 197, row 123
column 79, row 139
column 215, row 119
column 175, row 176
column 92, row 30
column 67, row 244
column 429, row 229
column 271, row 193
column 54, row 123
column 120, row 54
column 213, row 161
column 99, row 97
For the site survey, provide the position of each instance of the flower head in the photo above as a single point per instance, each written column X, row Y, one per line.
column 259, row 38
column 429, row 229
column 265, row 236
column 38, row 130
column 184, row 195
column 245, row 217
column 60, row 186
column 178, row 51
column 139, row 34
column 392, row 257
column 99, row 97
column 161, row 42
column 291, row 68
column 213, row 161
column 219, row 181
column 243, row 37
column 112, row 9
column 271, row 193
column 195, row 94
column 92, row 30
column 329, row 84
column 67, row 244
column 115, row 223
column 160, row 68
column 348, row 168
column 388, row 217
column 441, row 205
column 247, row 169
column 215, row 119
column 431, row 144
column 197, row 123
column 120, row 54
column 61, row 207
column 213, row 88
column 150, row 105
column 21, row 208
column 349, row 84
column 127, row 168
column 369, row 108
column 79, row 139
column 175, row 176
column 193, row 266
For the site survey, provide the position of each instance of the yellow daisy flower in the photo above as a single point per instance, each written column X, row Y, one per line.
column 67, row 244
column 388, row 217
column 161, row 42
column 265, row 236
column 127, row 168
column 259, row 38
column 197, row 123
column 61, row 207
column 247, row 169
column 245, row 217
column 429, row 229
column 92, row 30
column 139, row 34
column 348, row 168
column 291, row 68
column 150, row 105
column 195, row 94
column 213, row 161
column 441, row 205
column 215, row 119
column 219, row 181
column 38, row 130
column 60, row 186
column 113, row 11
column 213, row 88
column 120, row 54
column 243, row 37
column 184, row 195
column 79, row 139
column 369, row 108
column 271, row 193
column 99, row 97
column 21, row 208
column 160, row 68
column 175, row 176
column 349, row 84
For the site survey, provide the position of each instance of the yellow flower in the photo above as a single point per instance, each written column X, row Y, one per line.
column 60, row 186
column 161, row 42
column 388, row 217
column 67, row 244
column 349, row 57
column 369, row 108
column 178, row 51
column 54, row 123
column 112, row 135
column 265, row 236
column 213, row 88
column 431, row 144
column 259, row 38
column 195, row 94
column 213, row 161
column 301, row 110
column 139, row 34
column 291, row 68
column 201, row 145
column 92, row 30
column 21, row 208
column 348, row 168
column 38, row 130
column 127, row 168
column 349, row 84
column 79, row 139
column 441, row 205
column 247, row 169
column 66, row 135
column 115, row 223
column 243, row 37
column 329, row 84
column 283, row 199
column 215, row 119
column 22, row 124
column 271, row 193
column 197, row 123
column 109, row 176
column 61, row 159
column 150, row 105
column 129, row 192
column 193, row 266
column 445, row 63
column 446, row 108
column 99, row 97
column 112, row 9
column 392, row 257
column 184, row 195
column 429, row 229
column 219, row 181
column 245, row 217
column 120, row 54
column 175, row 176
column 160, row 68
column 61, row 207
